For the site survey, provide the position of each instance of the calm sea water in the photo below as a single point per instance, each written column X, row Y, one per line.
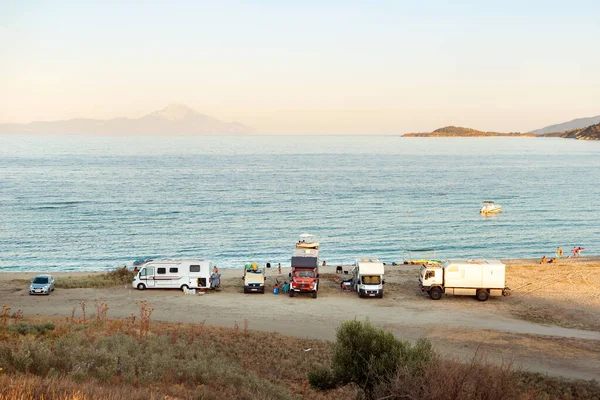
column 90, row 203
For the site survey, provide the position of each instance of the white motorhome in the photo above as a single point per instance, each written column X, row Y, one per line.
column 367, row 277
column 479, row 278
column 174, row 274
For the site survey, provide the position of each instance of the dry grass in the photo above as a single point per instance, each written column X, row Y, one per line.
column 135, row 358
column 31, row 387
column 103, row 358
column 449, row 379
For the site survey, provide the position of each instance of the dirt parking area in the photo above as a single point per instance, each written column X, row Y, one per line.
column 550, row 323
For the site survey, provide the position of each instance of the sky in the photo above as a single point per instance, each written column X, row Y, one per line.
column 282, row 67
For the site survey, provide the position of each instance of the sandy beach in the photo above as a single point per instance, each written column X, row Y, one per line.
column 550, row 323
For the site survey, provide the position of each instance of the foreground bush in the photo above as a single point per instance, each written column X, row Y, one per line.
column 384, row 367
column 369, row 357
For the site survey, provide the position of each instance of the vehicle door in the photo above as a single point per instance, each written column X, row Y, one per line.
column 175, row 278
column 161, row 277
column 147, row 276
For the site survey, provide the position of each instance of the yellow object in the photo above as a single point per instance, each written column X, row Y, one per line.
column 307, row 245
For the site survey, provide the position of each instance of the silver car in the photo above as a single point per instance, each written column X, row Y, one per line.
column 42, row 284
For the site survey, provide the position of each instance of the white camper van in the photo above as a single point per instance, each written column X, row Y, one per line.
column 254, row 278
column 367, row 277
column 174, row 274
column 479, row 278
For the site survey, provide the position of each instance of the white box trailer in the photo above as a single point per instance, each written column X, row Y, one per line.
column 480, row 278
column 367, row 277
column 174, row 274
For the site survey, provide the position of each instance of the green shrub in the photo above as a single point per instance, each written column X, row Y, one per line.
column 322, row 378
column 32, row 328
column 369, row 356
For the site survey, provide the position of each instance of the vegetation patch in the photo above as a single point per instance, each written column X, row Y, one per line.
column 116, row 277
column 94, row 357
column 383, row 367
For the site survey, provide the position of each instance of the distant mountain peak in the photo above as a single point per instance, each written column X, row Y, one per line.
column 175, row 119
column 567, row 126
column 175, row 112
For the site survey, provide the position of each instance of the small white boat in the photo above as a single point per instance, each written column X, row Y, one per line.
column 488, row 207
column 307, row 241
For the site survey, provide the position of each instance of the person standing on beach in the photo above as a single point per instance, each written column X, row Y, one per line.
column 575, row 252
column 279, row 268
column 559, row 252
column 215, row 270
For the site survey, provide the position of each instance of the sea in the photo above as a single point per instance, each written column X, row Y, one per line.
column 82, row 203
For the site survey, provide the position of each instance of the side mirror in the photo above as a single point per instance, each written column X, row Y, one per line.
column 383, row 282
column 317, row 275
column 290, row 274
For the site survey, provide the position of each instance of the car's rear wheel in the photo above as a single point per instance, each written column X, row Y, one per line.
column 141, row 286
column 292, row 293
column 184, row 288
column 314, row 294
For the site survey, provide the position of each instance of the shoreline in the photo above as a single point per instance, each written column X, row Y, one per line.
column 548, row 324
column 330, row 268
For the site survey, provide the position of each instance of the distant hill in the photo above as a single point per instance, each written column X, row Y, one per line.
column 175, row 119
column 457, row 131
column 588, row 133
column 568, row 126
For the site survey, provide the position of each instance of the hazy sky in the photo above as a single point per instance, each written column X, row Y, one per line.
column 305, row 66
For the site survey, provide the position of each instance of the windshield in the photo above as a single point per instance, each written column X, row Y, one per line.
column 305, row 273
column 40, row 279
column 371, row 279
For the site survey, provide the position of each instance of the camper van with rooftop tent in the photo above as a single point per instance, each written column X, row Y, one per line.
column 174, row 274
column 254, row 278
column 304, row 277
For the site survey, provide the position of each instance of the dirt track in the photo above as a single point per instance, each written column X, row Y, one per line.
column 549, row 324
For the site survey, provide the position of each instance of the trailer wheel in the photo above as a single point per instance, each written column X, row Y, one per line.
column 435, row 293
column 482, row 295
column 292, row 293
column 184, row 288
column 141, row 286
column 314, row 294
